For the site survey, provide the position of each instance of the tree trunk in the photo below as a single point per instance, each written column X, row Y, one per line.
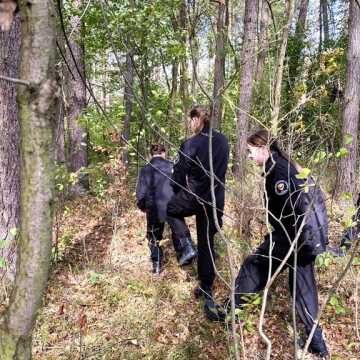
column 347, row 173
column 246, row 85
column 297, row 47
column 128, row 102
column 264, row 17
column 280, row 69
column 184, row 75
column 172, row 98
column 325, row 21
column 37, row 116
column 219, row 71
column 9, row 147
column 76, row 93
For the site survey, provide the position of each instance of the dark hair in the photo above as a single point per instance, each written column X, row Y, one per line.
column 201, row 112
column 157, row 149
column 264, row 138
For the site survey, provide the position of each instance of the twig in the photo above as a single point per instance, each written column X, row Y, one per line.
column 16, row 81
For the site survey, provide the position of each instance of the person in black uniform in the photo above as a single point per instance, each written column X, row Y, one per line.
column 289, row 202
column 153, row 193
column 193, row 197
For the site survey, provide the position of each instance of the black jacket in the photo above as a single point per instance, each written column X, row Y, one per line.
column 153, row 190
column 191, row 169
column 288, row 200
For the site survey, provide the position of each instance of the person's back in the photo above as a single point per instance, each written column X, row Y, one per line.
column 197, row 148
column 153, row 193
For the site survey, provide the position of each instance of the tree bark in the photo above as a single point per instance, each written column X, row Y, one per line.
column 128, row 102
column 9, row 147
column 76, row 93
column 325, row 21
column 37, row 116
column 247, row 77
column 184, row 75
column 347, row 173
column 220, row 56
column 280, row 69
column 298, row 41
column 264, row 18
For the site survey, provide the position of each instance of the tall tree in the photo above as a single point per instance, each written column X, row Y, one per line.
column 76, row 98
column 324, row 15
column 184, row 74
column 347, row 172
column 263, row 38
column 220, row 56
column 247, row 77
column 280, row 68
column 37, row 116
column 296, row 45
column 128, row 101
column 9, row 147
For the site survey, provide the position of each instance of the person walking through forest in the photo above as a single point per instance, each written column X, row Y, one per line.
column 193, row 194
column 153, row 193
column 297, row 213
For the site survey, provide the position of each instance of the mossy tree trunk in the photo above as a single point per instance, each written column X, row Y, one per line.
column 37, row 116
column 9, row 148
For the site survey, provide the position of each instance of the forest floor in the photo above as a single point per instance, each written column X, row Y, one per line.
column 103, row 302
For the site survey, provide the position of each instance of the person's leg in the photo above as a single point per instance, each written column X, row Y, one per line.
column 180, row 206
column 154, row 235
column 306, row 303
column 206, row 230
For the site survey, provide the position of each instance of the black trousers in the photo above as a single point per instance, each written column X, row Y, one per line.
column 154, row 234
column 253, row 276
column 183, row 205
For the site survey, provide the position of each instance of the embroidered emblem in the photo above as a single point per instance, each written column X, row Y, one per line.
column 281, row 187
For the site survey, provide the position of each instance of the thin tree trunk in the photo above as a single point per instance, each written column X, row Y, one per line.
column 77, row 102
column 184, row 75
column 37, row 116
column 280, row 69
column 347, row 174
column 128, row 102
column 9, row 147
column 247, row 77
column 298, row 41
column 220, row 56
column 264, row 18
column 172, row 99
column 325, row 21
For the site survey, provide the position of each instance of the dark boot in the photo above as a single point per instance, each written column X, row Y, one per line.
column 157, row 267
column 317, row 345
column 203, row 291
column 214, row 312
column 188, row 251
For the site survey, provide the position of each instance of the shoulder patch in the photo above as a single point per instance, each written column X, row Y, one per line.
column 281, row 187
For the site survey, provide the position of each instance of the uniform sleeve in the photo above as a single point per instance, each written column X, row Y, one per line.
column 141, row 190
column 182, row 166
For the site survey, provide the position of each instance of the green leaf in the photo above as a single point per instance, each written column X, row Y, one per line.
column 334, row 301
column 348, row 139
column 303, row 174
column 2, row 244
column 356, row 261
column 2, row 262
column 346, row 196
column 13, row 231
column 342, row 153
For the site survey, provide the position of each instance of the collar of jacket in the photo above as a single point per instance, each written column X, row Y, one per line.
column 205, row 130
column 270, row 163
